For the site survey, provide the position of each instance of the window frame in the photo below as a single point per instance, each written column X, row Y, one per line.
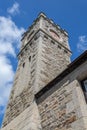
column 84, row 89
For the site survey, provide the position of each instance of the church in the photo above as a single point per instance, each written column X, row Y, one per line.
column 49, row 91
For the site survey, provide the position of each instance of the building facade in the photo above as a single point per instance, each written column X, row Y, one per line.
column 49, row 92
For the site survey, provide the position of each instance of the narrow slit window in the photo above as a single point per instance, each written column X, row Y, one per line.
column 23, row 65
column 25, row 49
column 22, row 54
column 59, row 46
column 35, row 38
column 29, row 58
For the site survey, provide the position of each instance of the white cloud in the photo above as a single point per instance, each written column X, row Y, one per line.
column 10, row 36
column 14, row 9
column 82, row 43
column 6, row 78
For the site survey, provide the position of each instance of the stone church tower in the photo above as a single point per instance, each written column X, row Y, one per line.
column 44, row 54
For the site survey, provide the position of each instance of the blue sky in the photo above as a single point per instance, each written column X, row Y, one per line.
column 17, row 15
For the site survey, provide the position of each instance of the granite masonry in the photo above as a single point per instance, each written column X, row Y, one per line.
column 49, row 92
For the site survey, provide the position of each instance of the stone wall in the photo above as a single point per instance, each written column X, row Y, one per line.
column 29, row 119
column 22, row 93
column 52, row 60
column 57, row 110
column 49, row 26
column 30, row 33
column 63, row 107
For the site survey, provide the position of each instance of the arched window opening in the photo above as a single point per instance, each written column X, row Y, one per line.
column 23, row 64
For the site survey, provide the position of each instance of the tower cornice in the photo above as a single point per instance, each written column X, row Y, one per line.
column 46, row 35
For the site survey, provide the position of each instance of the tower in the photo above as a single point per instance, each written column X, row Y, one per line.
column 44, row 54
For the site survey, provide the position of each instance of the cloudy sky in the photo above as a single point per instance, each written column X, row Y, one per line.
column 17, row 15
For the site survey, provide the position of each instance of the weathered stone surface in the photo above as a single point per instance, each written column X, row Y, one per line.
column 63, row 107
column 44, row 54
column 28, row 119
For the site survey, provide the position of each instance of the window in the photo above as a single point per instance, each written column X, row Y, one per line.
column 65, row 51
column 45, row 37
column 84, row 88
column 59, row 46
column 52, row 42
column 23, row 65
column 30, row 58
column 25, row 49
column 30, row 43
column 35, row 38
column 22, row 54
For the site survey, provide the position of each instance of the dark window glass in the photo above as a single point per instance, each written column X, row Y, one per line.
column 23, row 65
column 30, row 58
column 84, row 87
